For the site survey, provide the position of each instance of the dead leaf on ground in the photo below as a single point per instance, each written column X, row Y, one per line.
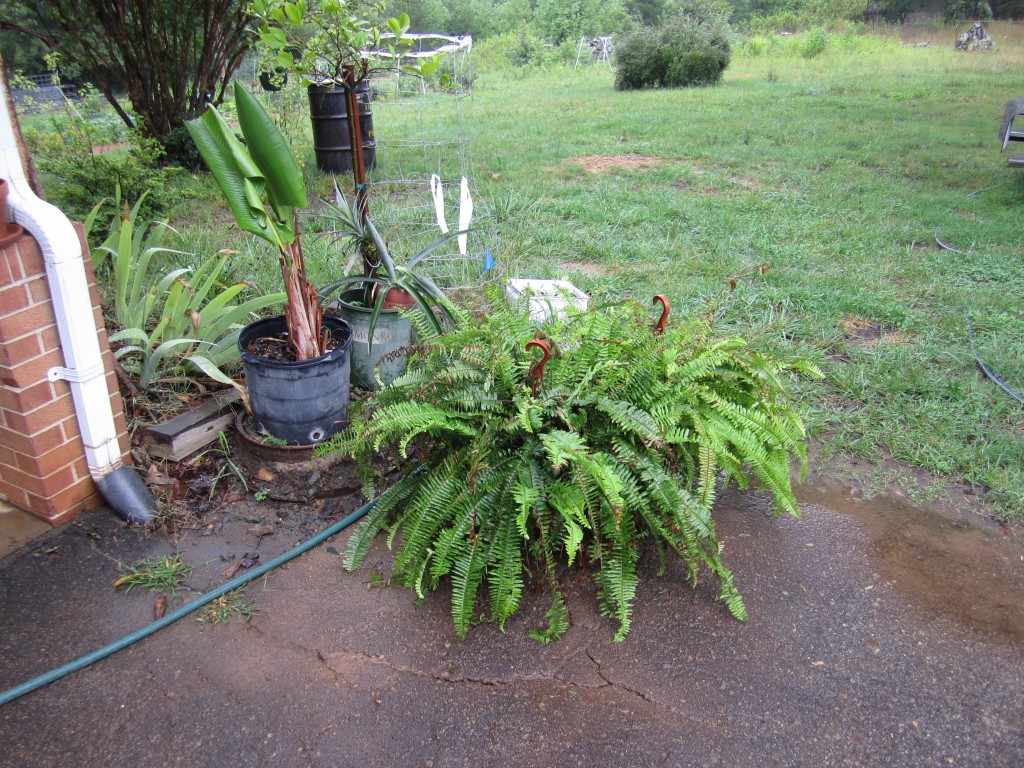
column 261, row 530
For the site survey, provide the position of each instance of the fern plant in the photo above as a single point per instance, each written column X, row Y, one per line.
column 622, row 438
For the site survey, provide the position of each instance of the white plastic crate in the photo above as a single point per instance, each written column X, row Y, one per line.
column 548, row 298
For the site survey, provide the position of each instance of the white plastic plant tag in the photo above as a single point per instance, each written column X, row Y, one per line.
column 437, row 192
column 465, row 214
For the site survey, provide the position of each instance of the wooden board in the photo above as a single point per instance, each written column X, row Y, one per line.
column 192, row 430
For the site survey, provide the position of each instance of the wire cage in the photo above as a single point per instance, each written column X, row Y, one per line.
column 422, row 183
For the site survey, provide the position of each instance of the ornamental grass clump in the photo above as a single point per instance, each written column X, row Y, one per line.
column 621, row 440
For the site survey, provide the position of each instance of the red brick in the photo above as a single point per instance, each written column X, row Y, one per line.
column 39, row 289
column 58, row 482
column 31, row 258
column 50, row 338
column 5, row 270
column 26, row 481
column 17, row 496
column 51, row 461
column 31, row 371
column 29, row 320
column 81, row 468
column 12, row 266
column 30, row 398
column 34, row 445
column 8, row 457
column 61, row 388
column 120, row 420
column 39, row 419
column 13, row 299
column 22, row 349
column 70, row 428
column 66, row 504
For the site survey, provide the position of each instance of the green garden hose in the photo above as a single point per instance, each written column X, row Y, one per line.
column 170, row 618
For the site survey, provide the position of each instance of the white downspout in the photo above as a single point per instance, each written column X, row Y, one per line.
column 120, row 485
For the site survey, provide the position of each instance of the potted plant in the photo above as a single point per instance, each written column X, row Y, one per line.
column 323, row 43
column 372, row 302
column 623, row 440
column 297, row 364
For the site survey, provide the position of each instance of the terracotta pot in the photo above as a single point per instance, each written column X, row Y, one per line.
column 398, row 298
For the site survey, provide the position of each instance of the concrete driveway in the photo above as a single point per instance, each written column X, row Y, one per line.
column 880, row 634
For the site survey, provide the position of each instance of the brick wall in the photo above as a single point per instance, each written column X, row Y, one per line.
column 42, row 460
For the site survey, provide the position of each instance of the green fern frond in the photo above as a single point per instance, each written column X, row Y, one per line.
column 558, row 620
column 467, row 574
column 505, row 576
column 375, row 520
column 617, row 581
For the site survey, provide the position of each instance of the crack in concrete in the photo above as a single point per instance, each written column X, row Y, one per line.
column 328, row 660
column 644, row 697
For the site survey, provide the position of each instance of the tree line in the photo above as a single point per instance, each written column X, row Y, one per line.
column 169, row 59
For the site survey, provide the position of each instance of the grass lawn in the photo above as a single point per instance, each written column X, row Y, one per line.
column 800, row 201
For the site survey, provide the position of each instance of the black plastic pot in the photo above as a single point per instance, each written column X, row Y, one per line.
column 332, row 142
column 267, row 80
column 303, row 402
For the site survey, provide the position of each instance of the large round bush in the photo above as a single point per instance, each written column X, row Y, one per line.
column 690, row 49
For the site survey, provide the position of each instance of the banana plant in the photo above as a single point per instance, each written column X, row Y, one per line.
column 263, row 186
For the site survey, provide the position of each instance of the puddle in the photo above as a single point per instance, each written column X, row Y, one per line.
column 962, row 568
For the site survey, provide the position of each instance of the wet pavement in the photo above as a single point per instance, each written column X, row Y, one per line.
column 880, row 634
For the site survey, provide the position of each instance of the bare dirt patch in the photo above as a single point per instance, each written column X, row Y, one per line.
column 605, row 163
column 869, row 334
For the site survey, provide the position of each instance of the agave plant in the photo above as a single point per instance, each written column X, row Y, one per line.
column 128, row 251
column 621, row 437
column 191, row 317
column 264, row 187
column 381, row 273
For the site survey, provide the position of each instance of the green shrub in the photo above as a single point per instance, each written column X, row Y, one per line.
column 815, row 42
column 74, row 148
column 525, row 50
column 622, row 439
column 958, row 11
column 690, row 50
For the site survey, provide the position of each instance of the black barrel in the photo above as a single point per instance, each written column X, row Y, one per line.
column 328, row 108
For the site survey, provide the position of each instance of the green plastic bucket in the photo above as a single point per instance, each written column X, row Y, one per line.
column 391, row 332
